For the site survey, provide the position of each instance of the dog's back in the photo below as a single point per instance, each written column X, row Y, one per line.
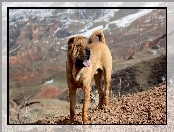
column 100, row 53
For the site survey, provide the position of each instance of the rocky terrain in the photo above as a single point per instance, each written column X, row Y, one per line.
column 147, row 107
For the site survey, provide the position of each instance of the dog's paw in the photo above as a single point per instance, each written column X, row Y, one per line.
column 106, row 108
column 70, row 122
column 85, row 122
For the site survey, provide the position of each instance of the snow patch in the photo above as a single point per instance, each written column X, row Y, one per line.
column 58, row 43
column 88, row 32
column 163, row 78
column 153, row 51
column 35, row 41
column 126, row 21
column 50, row 81
column 64, row 47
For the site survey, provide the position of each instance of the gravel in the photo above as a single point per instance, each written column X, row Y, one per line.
column 147, row 107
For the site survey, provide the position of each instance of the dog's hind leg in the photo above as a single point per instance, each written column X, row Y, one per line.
column 98, row 81
column 107, row 80
column 72, row 97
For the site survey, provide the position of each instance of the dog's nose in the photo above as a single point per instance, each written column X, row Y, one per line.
column 88, row 49
column 87, row 53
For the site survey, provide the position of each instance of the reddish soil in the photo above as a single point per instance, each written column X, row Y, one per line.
column 48, row 92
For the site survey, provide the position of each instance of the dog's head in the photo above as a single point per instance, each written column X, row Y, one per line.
column 78, row 51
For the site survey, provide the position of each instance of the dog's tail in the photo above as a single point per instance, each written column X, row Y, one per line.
column 98, row 33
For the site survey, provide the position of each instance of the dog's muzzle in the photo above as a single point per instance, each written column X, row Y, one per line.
column 83, row 61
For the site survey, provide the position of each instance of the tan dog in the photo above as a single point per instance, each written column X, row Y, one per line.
column 83, row 62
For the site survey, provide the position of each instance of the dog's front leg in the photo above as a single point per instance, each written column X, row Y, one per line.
column 72, row 97
column 86, row 90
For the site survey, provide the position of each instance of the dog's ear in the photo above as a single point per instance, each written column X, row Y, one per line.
column 71, row 40
column 84, row 38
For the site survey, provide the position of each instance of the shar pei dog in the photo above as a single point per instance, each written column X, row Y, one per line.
column 84, row 61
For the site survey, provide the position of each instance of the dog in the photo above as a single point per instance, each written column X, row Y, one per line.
column 84, row 61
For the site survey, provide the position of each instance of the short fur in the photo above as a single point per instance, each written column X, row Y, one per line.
column 98, row 63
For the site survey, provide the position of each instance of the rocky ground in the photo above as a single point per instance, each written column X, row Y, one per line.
column 147, row 107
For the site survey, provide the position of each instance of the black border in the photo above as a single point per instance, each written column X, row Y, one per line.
column 8, row 8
